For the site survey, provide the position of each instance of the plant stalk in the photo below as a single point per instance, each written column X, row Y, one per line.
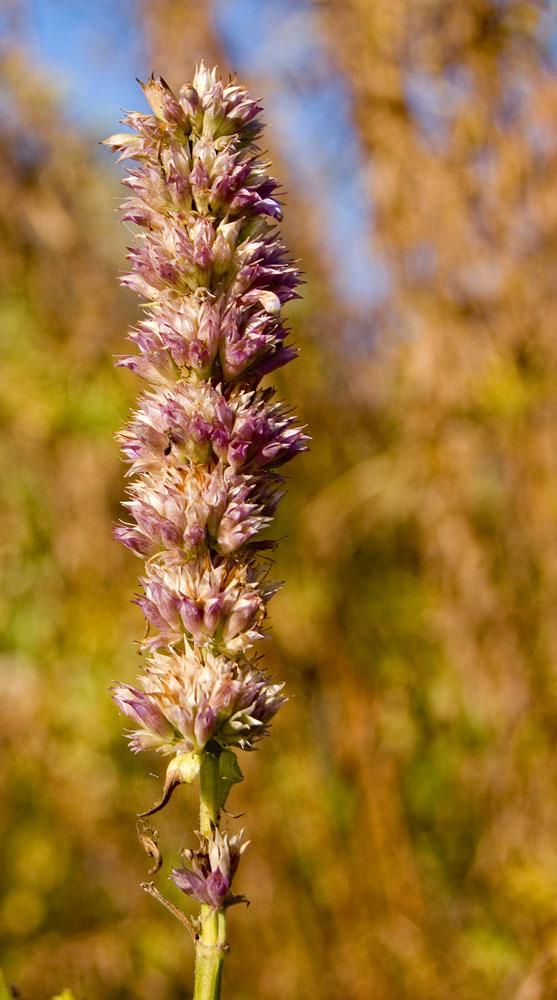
column 211, row 945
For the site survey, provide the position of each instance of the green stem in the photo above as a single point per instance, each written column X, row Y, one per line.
column 211, row 945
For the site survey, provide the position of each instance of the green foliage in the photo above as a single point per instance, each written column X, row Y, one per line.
column 229, row 773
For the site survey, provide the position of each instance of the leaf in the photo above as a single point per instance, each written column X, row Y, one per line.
column 229, row 774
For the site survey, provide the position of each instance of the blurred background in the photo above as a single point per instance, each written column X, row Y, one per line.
column 403, row 815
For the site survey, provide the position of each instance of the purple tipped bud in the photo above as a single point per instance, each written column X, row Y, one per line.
column 212, row 613
column 152, row 614
column 138, row 706
column 218, row 887
column 191, row 616
column 191, row 103
column 193, row 885
column 134, row 539
column 173, row 112
column 204, row 726
column 199, row 182
column 194, row 538
column 244, row 614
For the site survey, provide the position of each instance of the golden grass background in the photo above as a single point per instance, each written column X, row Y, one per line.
column 403, row 815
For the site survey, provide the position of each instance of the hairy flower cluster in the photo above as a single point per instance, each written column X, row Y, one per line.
column 187, row 701
column 206, row 441
column 213, row 867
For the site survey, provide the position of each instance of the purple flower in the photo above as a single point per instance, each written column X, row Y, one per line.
column 157, row 733
column 213, row 867
column 185, row 703
column 205, row 442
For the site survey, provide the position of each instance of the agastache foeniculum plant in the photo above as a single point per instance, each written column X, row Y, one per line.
column 204, row 447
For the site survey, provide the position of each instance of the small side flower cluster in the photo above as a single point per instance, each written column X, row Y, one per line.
column 206, row 442
column 212, row 869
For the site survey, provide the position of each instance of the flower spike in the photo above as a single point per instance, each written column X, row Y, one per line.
column 205, row 447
